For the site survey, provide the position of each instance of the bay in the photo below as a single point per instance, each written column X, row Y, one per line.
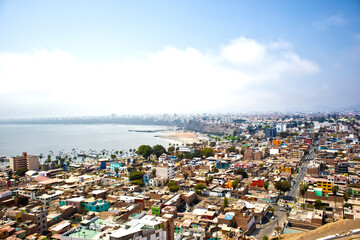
column 35, row 139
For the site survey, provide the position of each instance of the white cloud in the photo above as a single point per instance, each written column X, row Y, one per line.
column 171, row 80
column 333, row 20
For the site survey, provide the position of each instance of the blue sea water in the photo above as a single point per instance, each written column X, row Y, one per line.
column 35, row 139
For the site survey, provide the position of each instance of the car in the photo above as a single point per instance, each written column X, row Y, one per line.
column 283, row 209
column 273, row 217
column 274, row 234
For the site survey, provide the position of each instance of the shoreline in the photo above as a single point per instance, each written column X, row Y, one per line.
column 180, row 136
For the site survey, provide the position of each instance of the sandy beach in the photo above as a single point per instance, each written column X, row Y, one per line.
column 180, row 136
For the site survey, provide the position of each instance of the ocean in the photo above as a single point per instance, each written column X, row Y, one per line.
column 35, row 139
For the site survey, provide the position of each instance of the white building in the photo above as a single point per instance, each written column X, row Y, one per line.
column 47, row 198
column 166, row 171
column 281, row 127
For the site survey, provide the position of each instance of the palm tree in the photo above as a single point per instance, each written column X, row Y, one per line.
column 303, row 190
column 335, row 189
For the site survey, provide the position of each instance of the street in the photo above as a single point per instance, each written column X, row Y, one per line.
column 268, row 228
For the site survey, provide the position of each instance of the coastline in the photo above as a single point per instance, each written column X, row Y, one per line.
column 180, row 136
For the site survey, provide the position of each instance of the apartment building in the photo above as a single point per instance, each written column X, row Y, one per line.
column 29, row 162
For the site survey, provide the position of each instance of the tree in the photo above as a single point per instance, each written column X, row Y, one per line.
column 21, row 172
column 174, row 188
column 185, row 174
column 225, row 203
column 171, row 149
column 208, row 180
column 232, row 149
column 303, row 190
column 242, row 172
column 116, row 170
column 207, row 152
column 266, row 185
column 139, row 182
column 153, row 171
column 200, row 186
column 265, row 238
column 283, row 186
column 170, row 184
column 136, row 175
column 235, row 183
column 318, row 204
column 113, row 156
column 335, row 189
column 145, row 151
column 158, row 150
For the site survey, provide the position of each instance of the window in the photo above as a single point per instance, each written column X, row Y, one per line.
column 157, row 234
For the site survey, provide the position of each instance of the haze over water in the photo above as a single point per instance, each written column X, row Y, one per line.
column 36, row 139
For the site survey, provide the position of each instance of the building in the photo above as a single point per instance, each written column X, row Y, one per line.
column 147, row 227
column 37, row 216
column 166, row 171
column 286, row 168
column 270, row 132
column 114, row 165
column 281, row 127
column 297, row 153
column 47, row 198
column 94, row 205
column 24, row 161
column 341, row 167
column 157, row 182
column 325, row 185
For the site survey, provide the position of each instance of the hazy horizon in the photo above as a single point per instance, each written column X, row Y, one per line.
column 96, row 58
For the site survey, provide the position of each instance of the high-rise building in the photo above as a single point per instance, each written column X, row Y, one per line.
column 29, row 162
column 270, row 132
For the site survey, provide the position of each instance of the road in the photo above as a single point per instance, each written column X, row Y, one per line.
column 268, row 228
column 294, row 191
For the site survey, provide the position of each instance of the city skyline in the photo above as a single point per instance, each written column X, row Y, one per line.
column 98, row 58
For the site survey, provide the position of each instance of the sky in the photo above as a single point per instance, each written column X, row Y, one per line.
column 81, row 58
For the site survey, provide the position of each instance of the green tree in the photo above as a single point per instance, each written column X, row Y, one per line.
column 266, row 185
column 170, row 184
column 136, row 175
column 232, row 149
column 185, row 174
column 21, row 172
column 174, row 188
column 225, row 203
column 171, row 149
column 265, row 238
column 208, row 180
column 158, row 150
column 242, row 172
column 318, row 204
column 207, row 152
column 235, row 183
column 303, row 190
column 334, row 190
column 145, row 151
column 113, row 156
column 200, row 186
column 283, row 186
column 116, row 170
column 139, row 182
